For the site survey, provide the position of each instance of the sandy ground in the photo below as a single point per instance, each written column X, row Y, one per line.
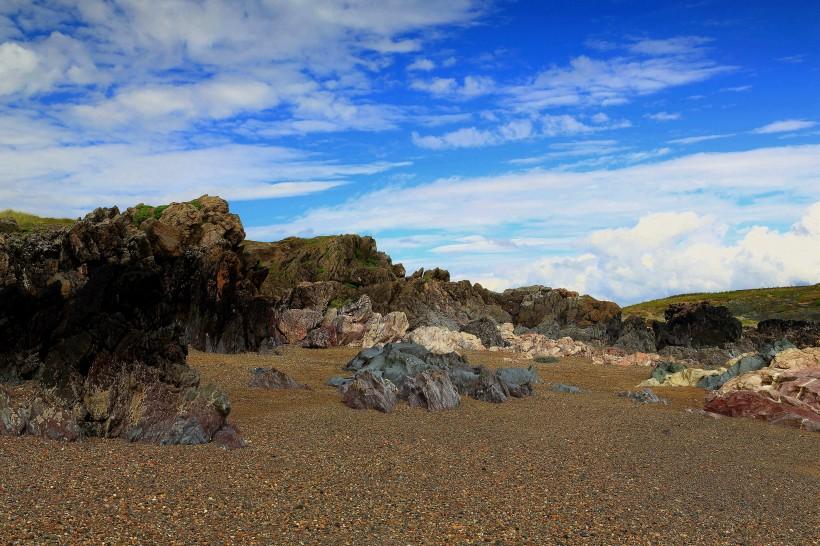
column 552, row 469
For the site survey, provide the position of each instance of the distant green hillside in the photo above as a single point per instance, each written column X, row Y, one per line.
column 27, row 221
column 750, row 306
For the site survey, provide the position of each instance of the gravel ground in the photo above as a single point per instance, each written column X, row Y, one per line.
column 589, row 468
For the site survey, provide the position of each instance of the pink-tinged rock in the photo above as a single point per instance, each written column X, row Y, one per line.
column 229, row 437
column 296, row 323
column 755, row 405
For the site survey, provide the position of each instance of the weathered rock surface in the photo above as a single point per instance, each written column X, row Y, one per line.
column 530, row 344
column 95, row 319
column 486, row 330
column 271, row 378
column 697, row 325
column 635, row 334
column 385, row 329
column 802, row 333
column 431, row 390
column 401, row 363
column 443, row 341
column 296, row 323
column 368, row 390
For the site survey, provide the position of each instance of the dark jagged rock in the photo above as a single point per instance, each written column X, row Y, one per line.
column 486, row 329
column 697, row 325
column 802, row 333
column 95, row 319
column 271, row 378
column 636, row 334
column 368, row 390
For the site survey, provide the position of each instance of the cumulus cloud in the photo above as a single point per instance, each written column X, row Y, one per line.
column 421, row 64
column 672, row 253
column 470, row 87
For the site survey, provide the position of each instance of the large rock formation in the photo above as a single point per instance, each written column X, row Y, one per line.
column 95, row 319
column 697, row 325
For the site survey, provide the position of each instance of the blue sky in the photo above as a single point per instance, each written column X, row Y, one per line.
column 626, row 149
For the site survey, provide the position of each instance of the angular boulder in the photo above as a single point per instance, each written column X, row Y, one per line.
column 385, row 329
column 486, row 330
column 431, row 390
column 369, row 390
column 296, row 323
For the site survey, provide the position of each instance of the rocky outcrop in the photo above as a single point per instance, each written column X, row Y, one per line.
column 95, row 319
column 341, row 327
column 531, row 345
column 802, row 333
column 635, row 334
column 271, row 378
column 785, row 392
column 402, row 364
column 697, row 325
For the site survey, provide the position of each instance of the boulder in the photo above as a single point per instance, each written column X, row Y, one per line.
column 530, row 344
column 614, row 356
column 565, row 389
column 697, row 325
column 296, row 323
column 345, row 326
column 385, row 329
column 369, row 390
column 271, row 378
column 443, row 341
column 431, row 390
column 734, row 367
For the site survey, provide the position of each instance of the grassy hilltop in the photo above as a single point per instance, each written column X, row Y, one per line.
column 750, row 306
column 28, row 222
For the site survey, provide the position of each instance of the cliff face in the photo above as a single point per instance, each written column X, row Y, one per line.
column 94, row 322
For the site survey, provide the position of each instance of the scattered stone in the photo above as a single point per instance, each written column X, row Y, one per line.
column 368, row 390
column 566, row 389
column 645, row 396
column 271, row 378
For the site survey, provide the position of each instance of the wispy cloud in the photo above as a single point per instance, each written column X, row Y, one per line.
column 699, row 138
column 785, row 126
column 663, row 116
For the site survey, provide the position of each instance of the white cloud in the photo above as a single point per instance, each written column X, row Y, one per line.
column 421, row 64
column 673, row 253
column 564, row 204
column 701, row 138
column 70, row 180
column 466, row 137
column 663, row 116
column 471, row 87
column 784, row 126
column 651, row 66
